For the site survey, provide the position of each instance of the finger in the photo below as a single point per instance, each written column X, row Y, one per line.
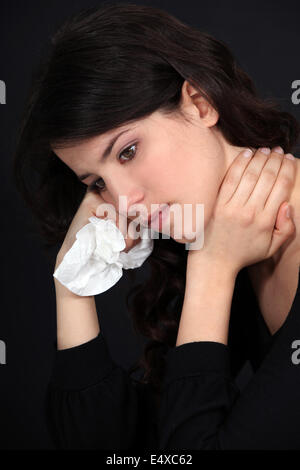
column 281, row 189
column 266, row 181
column 233, row 176
column 283, row 230
column 250, row 177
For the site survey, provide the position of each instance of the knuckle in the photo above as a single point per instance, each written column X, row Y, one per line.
column 232, row 178
column 288, row 168
column 247, row 216
column 285, row 180
column 269, row 174
column 226, row 211
column 251, row 176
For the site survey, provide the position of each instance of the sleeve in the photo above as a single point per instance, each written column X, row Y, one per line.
column 92, row 403
column 201, row 408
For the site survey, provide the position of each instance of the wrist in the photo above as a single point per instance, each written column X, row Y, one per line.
column 61, row 291
column 199, row 261
column 207, row 301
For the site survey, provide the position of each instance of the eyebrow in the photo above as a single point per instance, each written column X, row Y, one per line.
column 106, row 152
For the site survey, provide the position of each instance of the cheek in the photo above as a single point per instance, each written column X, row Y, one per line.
column 160, row 178
column 199, row 188
column 199, row 182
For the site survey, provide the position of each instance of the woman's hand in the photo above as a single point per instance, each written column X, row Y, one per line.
column 248, row 223
column 88, row 208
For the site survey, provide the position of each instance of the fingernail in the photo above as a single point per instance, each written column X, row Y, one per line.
column 288, row 212
column 248, row 153
column 265, row 150
column 278, row 150
column 290, row 156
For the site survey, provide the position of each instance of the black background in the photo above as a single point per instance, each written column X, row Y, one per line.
column 265, row 38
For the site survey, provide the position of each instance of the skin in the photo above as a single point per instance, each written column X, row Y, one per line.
column 158, row 173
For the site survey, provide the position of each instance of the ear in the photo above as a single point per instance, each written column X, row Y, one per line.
column 194, row 103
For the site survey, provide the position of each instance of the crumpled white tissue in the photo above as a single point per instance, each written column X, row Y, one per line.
column 95, row 262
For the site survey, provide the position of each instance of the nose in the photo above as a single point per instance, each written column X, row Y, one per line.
column 124, row 200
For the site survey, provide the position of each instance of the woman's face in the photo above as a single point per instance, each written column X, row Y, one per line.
column 158, row 160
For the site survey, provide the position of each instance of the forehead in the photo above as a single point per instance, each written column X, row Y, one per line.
column 84, row 157
column 82, row 151
column 84, row 147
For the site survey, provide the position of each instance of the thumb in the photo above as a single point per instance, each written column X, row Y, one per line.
column 284, row 228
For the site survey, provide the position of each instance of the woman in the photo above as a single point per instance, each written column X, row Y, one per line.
column 187, row 112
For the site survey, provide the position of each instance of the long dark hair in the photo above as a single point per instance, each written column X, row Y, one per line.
column 109, row 66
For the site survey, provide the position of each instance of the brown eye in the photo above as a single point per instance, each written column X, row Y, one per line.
column 128, row 152
column 99, row 185
column 96, row 184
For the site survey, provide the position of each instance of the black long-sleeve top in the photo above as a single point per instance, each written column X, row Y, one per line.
column 93, row 403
